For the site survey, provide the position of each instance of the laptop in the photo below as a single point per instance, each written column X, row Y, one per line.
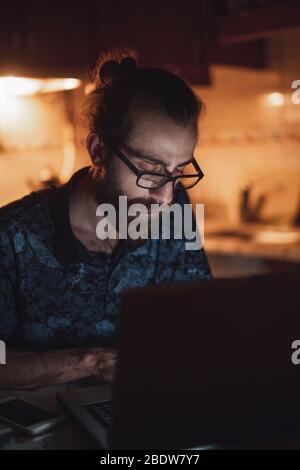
column 200, row 365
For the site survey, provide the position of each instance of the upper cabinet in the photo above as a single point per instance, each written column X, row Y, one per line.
column 247, row 20
column 165, row 33
column 65, row 38
column 41, row 39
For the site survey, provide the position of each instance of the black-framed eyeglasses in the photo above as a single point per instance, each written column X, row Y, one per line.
column 154, row 180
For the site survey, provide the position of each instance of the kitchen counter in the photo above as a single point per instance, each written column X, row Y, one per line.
column 252, row 240
column 249, row 250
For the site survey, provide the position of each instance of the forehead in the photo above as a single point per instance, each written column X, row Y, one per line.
column 161, row 137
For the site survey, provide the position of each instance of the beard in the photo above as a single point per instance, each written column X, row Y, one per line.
column 106, row 190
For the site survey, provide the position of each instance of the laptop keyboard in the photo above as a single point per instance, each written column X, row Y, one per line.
column 101, row 411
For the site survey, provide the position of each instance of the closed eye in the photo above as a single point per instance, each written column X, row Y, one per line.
column 145, row 163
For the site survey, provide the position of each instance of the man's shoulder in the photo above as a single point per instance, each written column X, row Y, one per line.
column 25, row 209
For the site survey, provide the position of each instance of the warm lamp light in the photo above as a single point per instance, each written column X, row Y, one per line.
column 21, row 86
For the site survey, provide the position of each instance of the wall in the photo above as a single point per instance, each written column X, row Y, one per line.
column 244, row 140
column 37, row 141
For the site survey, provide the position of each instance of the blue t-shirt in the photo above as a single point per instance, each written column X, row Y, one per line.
column 54, row 293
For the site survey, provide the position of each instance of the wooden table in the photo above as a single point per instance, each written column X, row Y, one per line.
column 70, row 436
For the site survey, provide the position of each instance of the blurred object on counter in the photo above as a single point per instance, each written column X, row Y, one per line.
column 248, row 213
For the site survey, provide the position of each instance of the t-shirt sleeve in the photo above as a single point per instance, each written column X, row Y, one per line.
column 8, row 314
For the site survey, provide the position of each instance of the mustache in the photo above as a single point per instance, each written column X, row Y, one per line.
column 146, row 202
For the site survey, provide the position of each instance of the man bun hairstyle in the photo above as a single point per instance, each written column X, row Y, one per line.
column 111, row 69
column 123, row 91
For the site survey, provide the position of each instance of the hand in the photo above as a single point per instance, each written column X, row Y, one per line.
column 105, row 363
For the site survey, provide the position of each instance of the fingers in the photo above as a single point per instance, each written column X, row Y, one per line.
column 107, row 364
column 107, row 369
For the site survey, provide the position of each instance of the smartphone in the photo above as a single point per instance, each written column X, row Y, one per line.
column 26, row 417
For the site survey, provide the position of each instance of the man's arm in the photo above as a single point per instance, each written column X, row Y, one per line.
column 28, row 369
column 24, row 369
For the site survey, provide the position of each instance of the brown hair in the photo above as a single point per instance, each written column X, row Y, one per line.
column 123, row 90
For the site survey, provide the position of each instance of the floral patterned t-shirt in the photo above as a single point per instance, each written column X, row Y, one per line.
column 55, row 293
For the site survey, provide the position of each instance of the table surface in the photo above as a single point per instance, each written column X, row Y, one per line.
column 243, row 239
column 66, row 436
column 70, row 436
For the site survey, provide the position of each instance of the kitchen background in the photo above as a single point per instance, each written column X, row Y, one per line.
column 241, row 57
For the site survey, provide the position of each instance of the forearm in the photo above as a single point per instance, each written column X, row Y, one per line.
column 25, row 369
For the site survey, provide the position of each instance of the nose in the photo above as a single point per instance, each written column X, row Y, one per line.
column 163, row 194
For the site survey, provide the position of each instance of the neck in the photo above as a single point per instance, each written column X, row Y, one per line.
column 84, row 201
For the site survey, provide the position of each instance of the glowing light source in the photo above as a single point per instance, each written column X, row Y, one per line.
column 20, row 86
column 276, row 99
column 71, row 83
column 59, row 84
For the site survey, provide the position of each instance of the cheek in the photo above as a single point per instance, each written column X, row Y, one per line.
column 125, row 181
column 129, row 188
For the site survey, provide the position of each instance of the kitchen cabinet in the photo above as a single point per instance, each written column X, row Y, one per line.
column 66, row 38
column 250, row 24
column 165, row 33
column 38, row 39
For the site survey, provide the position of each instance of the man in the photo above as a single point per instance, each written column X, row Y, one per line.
column 60, row 285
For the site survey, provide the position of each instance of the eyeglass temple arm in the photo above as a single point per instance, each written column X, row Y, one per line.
column 126, row 161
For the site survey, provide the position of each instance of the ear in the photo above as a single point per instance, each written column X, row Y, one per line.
column 96, row 149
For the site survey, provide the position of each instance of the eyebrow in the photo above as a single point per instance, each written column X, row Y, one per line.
column 152, row 159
